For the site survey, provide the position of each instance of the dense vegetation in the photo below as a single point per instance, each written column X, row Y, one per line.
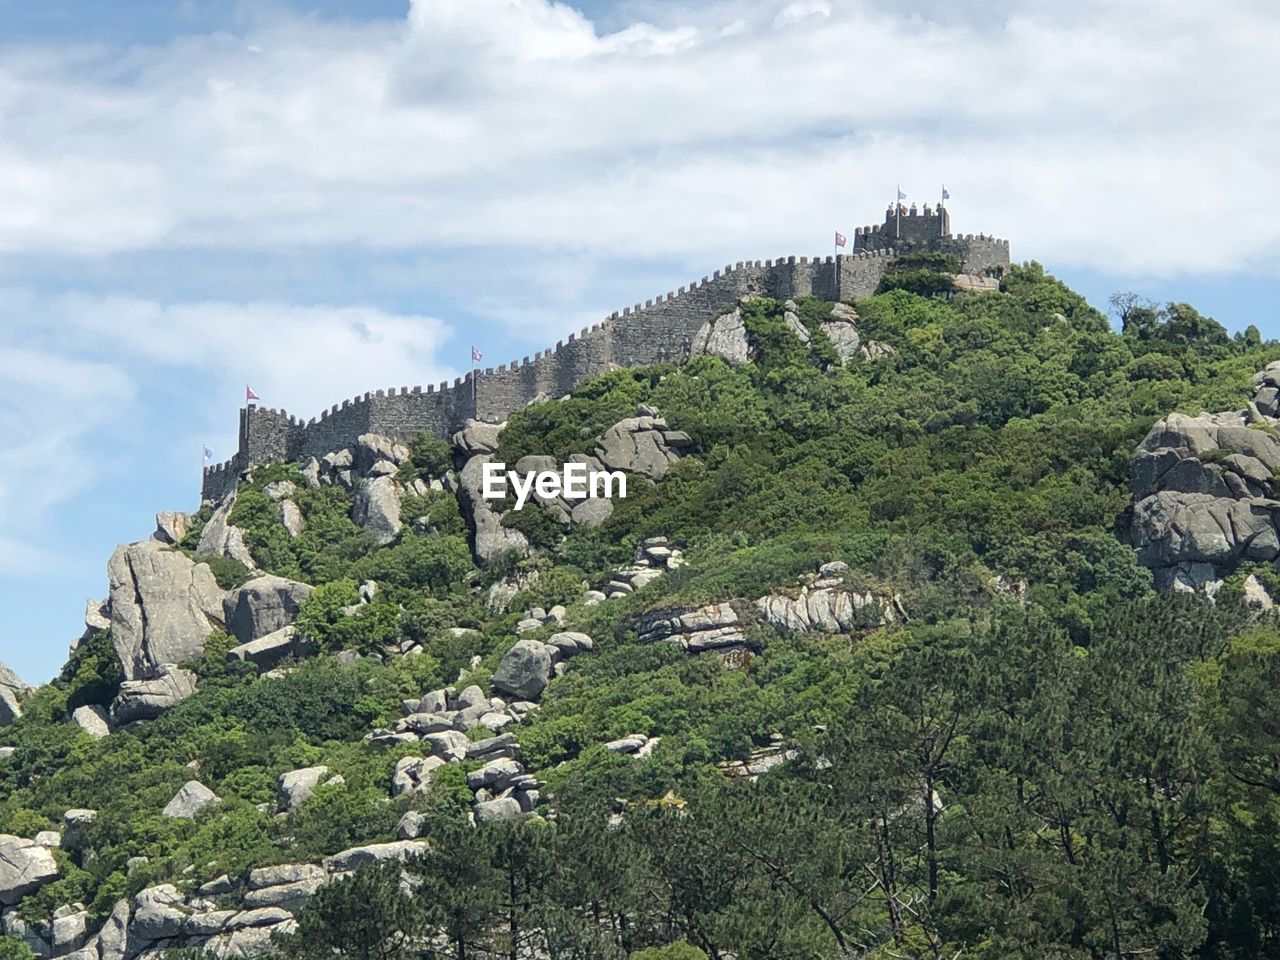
column 1046, row 761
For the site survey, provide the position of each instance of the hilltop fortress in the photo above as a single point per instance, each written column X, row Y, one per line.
column 657, row 331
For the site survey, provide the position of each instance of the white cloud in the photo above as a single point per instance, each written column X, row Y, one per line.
column 1095, row 134
column 64, row 411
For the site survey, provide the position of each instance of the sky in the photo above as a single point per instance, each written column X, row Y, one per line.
column 319, row 199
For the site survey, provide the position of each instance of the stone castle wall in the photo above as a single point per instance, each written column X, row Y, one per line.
column 657, row 331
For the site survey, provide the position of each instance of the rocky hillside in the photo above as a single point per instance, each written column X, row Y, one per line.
column 875, row 659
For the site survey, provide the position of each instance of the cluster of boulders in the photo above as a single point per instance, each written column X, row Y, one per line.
column 527, row 668
column 442, row 719
column 652, row 558
column 715, row 627
column 536, row 618
column 226, row 917
column 503, row 790
column 643, row 446
column 726, row 336
column 825, row 603
column 1206, row 494
column 636, row 745
column 760, row 761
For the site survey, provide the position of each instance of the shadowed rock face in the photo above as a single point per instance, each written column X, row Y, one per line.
column 262, row 606
column 163, row 606
column 1206, row 496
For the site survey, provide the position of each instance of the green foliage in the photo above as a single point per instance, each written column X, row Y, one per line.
column 92, row 673
column 363, row 917
column 11, row 949
column 428, row 458
column 230, row 573
column 560, row 428
column 674, row 951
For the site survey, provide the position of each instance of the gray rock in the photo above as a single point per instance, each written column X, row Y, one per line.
column 69, row 929
column 163, row 606
column 285, row 896
column 262, row 606
column 493, row 811
column 291, row 517
column 490, row 540
column 494, row 775
column 377, row 509
column 75, row 826
column 629, row 744
column 491, row 748
column 190, row 800
column 171, row 526
column 311, row 472
column 449, row 745
column 49, row 838
column 410, row 826
column 97, row 616
column 218, row 886
column 297, row 786
column 794, row 326
column 471, row 696
column 157, row 913
column 284, row 873
column 92, row 719
column 478, row 437
column 112, row 939
column 10, row 709
column 826, row 606
column 1256, row 594
column 724, row 337
column 267, row 652
column 147, row 699
column 571, row 643
column 207, row 924
column 373, row 853
column 221, row 538
column 413, row 775
column 373, row 448
column 525, row 670
column 279, row 490
column 592, row 512
column 636, row 445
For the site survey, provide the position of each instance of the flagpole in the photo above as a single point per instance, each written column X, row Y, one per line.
column 897, row 212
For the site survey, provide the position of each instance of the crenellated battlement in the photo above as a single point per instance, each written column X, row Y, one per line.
column 659, row 330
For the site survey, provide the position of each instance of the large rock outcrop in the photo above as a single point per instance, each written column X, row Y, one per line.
column 490, row 539
column 377, row 509
column 642, row 444
column 1205, row 490
column 724, row 337
column 163, row 606
column 221, row 538
column 11, row 688
column 147, row 699
column 826, row 604
column 262, row 606
column 24, row 866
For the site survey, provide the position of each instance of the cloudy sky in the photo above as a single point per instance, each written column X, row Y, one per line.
column 323, row 198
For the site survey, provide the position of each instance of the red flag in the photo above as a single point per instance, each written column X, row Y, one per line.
column 841, row 239
column 476, row 355
column 249, row 395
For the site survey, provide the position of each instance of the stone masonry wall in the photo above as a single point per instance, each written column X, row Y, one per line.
column 657, row 331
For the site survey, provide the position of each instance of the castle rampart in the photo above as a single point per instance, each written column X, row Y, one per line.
column 657, row 331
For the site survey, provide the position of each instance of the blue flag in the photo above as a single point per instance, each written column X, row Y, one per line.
column 901, row 195
column 946, row 195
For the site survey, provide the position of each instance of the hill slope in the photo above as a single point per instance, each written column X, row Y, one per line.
column 863, row 665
